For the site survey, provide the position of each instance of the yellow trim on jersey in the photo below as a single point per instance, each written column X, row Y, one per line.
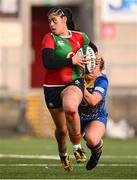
column 89, row 84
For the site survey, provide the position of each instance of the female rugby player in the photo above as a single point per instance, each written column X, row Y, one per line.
column 63, row 87
column 93, row 114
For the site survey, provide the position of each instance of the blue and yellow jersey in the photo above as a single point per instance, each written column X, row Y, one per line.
column 87, row 112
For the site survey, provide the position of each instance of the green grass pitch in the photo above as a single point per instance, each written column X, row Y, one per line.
column 33, row 158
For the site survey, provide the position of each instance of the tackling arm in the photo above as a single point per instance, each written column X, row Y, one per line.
column 92, row 99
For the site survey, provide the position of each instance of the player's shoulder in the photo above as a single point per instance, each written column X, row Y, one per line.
column 103, row 76
column 78, row 33
column 48, row 40
column 47, row 36
column 103, row 79
column 81, row 36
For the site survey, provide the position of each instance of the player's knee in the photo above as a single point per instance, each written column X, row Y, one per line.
column 70, row 110
column 92, row 140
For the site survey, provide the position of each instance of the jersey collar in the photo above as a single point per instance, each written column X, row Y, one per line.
column 70, row 35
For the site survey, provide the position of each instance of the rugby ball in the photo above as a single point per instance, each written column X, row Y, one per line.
column 87, row 50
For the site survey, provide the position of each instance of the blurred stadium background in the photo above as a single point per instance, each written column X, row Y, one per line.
column 111, row 25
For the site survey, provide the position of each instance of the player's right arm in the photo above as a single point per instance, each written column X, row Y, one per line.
column 50, row 61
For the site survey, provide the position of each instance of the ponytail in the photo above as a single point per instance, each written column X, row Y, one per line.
column 70, row 22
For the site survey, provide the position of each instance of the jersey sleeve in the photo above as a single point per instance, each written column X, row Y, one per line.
column 50, row 61
column 101, row 86
column 48, row 41
column 86, row 39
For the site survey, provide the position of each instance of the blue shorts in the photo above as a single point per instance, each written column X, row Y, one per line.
column 84, row 122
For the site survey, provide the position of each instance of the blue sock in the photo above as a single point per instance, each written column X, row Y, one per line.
column 97, row 148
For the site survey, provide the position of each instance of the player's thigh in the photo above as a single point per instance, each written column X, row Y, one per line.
column 58, row 116
column 95, row 131
column 71, row 96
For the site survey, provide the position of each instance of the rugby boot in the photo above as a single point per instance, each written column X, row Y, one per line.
column 66, row 163
column 80, row 155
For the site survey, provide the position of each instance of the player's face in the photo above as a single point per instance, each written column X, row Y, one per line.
column 94, row 74
column 57, row 23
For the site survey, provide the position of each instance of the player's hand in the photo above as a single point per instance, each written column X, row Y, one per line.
column 80, row 60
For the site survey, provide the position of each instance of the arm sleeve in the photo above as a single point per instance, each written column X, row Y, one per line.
column 101, row 86
column 86, row 39
column 51, row 62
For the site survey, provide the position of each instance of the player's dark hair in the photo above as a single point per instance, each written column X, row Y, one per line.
column 102, row 64
column 64, row 12
column 70, row 22
column 93, row 46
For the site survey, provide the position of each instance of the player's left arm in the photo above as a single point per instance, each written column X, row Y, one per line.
column 92, row 99
column 88, row 42
column 98, row 94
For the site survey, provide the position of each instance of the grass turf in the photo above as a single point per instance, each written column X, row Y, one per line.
column 122, row 163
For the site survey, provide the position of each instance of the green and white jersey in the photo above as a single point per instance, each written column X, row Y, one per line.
column 64, row 47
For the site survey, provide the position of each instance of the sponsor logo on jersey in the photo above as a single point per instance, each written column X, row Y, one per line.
column 51, row 104
column 77, row 82
column 99, row 89
column 60, row 43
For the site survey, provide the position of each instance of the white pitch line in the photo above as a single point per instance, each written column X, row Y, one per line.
column 55, row 165
column 119, row 157
column 55, row 157
column 52, row 157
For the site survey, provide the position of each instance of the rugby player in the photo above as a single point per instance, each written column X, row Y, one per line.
column 93, row 115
